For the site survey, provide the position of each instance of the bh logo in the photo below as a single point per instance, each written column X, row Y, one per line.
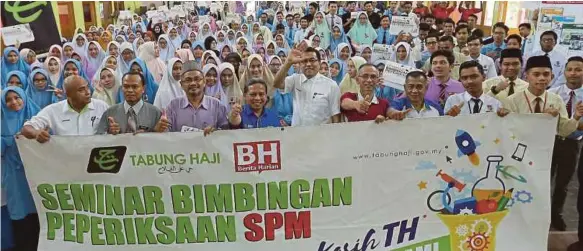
column 257, row 156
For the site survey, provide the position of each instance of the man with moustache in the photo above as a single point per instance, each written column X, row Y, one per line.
column 365, row 105
column 133, row 115
column 195, row 111
column 254, row 114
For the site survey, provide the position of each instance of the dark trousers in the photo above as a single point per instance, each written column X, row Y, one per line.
column 565, row 160
column 26, row 233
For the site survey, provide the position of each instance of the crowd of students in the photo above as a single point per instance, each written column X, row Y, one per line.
column 280, row 67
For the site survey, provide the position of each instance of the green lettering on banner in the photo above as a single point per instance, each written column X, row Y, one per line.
column 226, row 229
column 130, row 230
column 144, row 230
column 54, row 222
column 219, row 200
column 68, row 227
column 181, row 202
column 96, row 231
column 205, row 229
column 83, row 225
column 244, row 200
column 113, row 200
column 113, row 231
column 260, row 193
column 63, row 196
column 133, row 201
column 153, row 199
column 184, row 230
column 342, row 191
column 278, row 195
column 83, row 197
column 198, row 199
column 45, row 191
column 321, row 195
column 300, row 194
column 440, row 243
column 167, row 235
column 100, row 191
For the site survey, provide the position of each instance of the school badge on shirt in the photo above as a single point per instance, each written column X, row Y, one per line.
column 489, row 108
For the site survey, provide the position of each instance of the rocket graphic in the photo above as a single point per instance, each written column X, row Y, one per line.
column 467, row 146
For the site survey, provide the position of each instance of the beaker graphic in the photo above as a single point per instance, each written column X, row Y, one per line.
column 472, row 232
column 490, row 187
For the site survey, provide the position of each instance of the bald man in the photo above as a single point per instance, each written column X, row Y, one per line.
column 79, row 114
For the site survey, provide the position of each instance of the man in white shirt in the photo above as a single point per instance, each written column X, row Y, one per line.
column 475, row 45
column 567, row 149
column 79, row 114
column 527, row 39
column 548, row 41
column 316, row 98
column 332, row 17
column 302, row 31
column 473, row 100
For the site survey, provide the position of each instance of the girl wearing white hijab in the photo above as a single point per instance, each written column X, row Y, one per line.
column 108, row 86
column 80, row 44
column 281, row 42
column 53, row 66
column 174, row 38
column 113, row 48
column 124, row 63
column 169, row 87
column 204, row 32
column 112, row 63
column 157, row 67
column 262, row 72
column 95, row 56
column 222, row 39
column 165, row 47
column 230, row 85
column 402, row 54
column 242, row 43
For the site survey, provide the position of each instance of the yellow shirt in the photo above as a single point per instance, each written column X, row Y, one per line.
column 524, row 103
column 519, row 86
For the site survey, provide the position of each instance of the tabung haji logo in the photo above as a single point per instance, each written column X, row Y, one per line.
column 18, row 7
column 106, row 159
column 173, row 163
column 257, row 156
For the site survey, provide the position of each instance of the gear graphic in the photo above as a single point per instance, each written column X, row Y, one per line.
column 510, row 203
column 464, row 245
column 462, row 230
column 482, row 226
column 466, row 211
column 478, row 242
column 523, row 196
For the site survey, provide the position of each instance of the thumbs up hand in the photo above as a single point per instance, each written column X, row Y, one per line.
column 113, row 126
column 364, row 104
column 400, row 115
column 163, row 124
column 455, row 110
column 43, row 136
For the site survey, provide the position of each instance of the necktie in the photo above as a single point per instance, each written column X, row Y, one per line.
column 476, row 108
column 511, row 88
column 570, row 103
column 523, row 46
column 422, row 46
column 546, row 54
column 132, row 121
column 537, row 108
column 385, row 37
column 442, row 93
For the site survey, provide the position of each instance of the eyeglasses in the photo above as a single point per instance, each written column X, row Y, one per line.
column 369, row 77
column 310, row 60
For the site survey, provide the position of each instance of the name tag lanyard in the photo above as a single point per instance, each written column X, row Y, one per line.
column 470, row 106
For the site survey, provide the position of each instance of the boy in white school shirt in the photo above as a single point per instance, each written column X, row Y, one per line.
column 473, row 100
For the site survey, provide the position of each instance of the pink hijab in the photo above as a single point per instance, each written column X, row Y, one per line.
column 156, row 66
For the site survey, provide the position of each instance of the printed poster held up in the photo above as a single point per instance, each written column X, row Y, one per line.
column 301, row 188
column 381, row 52
column 394, row 74
column 20, row 33
column 401, row 24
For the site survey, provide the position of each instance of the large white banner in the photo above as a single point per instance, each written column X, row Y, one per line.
column 466, row 183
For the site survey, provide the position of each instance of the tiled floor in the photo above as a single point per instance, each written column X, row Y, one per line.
column 558, row 241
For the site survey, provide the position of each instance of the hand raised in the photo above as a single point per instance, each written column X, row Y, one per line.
column 113, row 126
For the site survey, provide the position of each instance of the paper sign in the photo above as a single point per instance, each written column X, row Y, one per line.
column 381, row 52
column 354, row 15
column 404, row 24
column 21, row 33
column 394, row 74
column 189, row 129
column 232, row 18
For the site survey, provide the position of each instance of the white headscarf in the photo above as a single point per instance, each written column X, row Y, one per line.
column 409, row 61
column 169, row 88
column 176, row 42
column 109, row 96
column 82, row 50
column 165, row 54
column 54, row 77
column 231, row 91
column 125, row 66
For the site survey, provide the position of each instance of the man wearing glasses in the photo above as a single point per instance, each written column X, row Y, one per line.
column 548, row 41
column 195, row 111
column 316, row 98
column 365, row 105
